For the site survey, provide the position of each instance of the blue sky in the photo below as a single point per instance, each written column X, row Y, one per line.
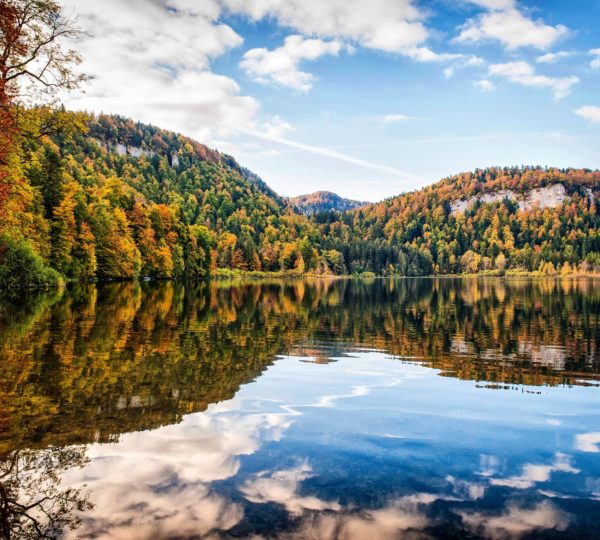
column 367, row 99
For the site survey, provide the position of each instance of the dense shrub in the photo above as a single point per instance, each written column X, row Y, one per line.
column 22, row 270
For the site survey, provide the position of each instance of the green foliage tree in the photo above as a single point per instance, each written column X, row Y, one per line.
column 23, row 270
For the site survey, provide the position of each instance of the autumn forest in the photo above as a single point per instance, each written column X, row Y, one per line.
column 86, row 197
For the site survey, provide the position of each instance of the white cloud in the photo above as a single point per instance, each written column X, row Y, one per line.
column 591, row 113
column 395, row 27
column 485, row 85
column 379, row 24
column 524, row 74
column 281, row 487
column 463, row 62
column 393, row 118
column 516, row 522
column 425, row 54
column 281, row 65
column 589, row 442
column 275, row 127
column 151, row 61
column 457, row 61
column 551, row 58
column 172, row 469
column 533, row 473
column 505, row 23
column 495, row 4
column 595, row 63
column 405, row 514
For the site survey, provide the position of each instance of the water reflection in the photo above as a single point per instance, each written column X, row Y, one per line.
column 33, row 504
column 337, row 439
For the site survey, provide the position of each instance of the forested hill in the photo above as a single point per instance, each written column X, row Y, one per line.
column 492, row 220
column 116, row 199
column 323, row 201
column 109, row 198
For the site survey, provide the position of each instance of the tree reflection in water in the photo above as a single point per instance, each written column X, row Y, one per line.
column 32, row 502
column 99, row 361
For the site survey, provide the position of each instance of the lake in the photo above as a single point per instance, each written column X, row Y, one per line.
column 322, row 409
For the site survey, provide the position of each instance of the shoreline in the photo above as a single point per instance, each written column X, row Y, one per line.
column 238, row 275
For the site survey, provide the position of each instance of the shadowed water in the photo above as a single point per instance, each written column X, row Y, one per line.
column 434, row 408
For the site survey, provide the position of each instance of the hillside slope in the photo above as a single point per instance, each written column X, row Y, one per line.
column 117, row 199
column 323, row 201
column 532, row 219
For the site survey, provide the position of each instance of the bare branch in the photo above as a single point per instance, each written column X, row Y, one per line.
column 32, row 35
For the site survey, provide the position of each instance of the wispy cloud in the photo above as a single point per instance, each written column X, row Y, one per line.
column 551, row 58
column 442, row 140
column 595, row 63
column 392, row 118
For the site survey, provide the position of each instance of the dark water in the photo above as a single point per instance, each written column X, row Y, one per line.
column 309, row 409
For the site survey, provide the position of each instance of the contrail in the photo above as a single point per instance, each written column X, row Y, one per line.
column 333, row 154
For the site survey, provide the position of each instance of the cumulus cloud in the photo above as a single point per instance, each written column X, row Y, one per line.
column 485, row 85
column 533, row 473
column 516, row 522
column 172, row 469
column 551, row 58
column 402, row 516
column 396, row 27
column 282, row 487
column 379, row 24
column 590, row 113
column 281, row 66
column 522, row 73
column 504, row 22
column 152, row 60
column 589, row 442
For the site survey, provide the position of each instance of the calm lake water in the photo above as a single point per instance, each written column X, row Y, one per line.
column 434, row 408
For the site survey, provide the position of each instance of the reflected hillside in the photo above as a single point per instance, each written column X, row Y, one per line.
column 100, row 361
